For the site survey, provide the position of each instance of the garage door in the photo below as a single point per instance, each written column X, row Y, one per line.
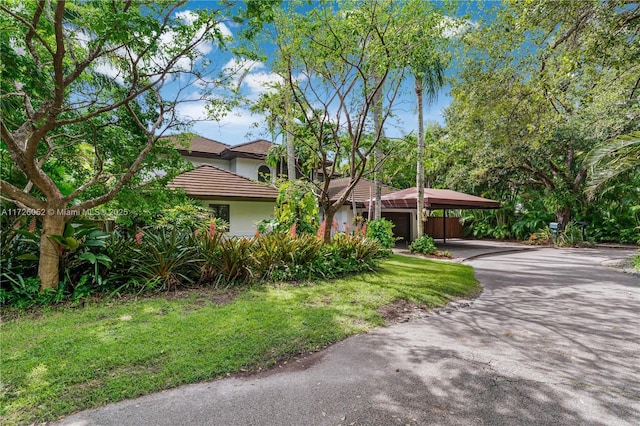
column 402, row 222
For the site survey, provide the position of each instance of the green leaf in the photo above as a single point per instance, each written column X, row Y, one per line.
column 27, row 256
column 95, row 243
column 104, row 259
column 71, row 243
column 88, row 256
column 68, row 230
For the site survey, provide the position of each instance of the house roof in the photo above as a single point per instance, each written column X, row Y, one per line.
column 255, row 149
column 199, row 146
column 363, row 190
column 208, row 181
column 437, row 199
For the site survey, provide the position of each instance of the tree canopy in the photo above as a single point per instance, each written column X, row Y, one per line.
column 539, row 86
column 84, row 101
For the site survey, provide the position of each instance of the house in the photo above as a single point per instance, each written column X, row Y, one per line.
column 237, row 184
column 233, row 181
column 247, row 159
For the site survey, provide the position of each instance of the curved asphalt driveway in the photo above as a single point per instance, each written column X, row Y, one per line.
column 554, row 339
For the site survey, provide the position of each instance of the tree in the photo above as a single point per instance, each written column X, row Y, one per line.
column 88, row 79
column 539, row 87
column 427, row 66
column 328, row 57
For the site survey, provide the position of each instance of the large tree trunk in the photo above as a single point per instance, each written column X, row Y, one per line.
column 50, row 251
column 291, row 150
column 420, row 167
column 329, row 214
column 563, row 217
column 377, row 172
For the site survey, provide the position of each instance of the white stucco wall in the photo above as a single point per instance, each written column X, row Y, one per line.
column 248, row 167
column 245, row 214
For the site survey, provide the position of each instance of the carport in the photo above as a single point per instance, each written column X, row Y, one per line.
column 437, row 199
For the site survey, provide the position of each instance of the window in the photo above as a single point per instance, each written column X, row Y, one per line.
column 221, row 211
column 264, row 174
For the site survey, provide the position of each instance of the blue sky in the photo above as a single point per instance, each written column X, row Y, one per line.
column 241, row 125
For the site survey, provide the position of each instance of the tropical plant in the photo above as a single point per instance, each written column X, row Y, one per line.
column 381, row 230
column 424, row 245
column 165, row 259
column 297, row 205
column 237, row 261
column 616, row 157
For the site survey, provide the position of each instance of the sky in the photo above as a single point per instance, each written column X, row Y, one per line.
column 240, row 125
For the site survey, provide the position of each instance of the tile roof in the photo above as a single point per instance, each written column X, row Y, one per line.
column 437, row 199
column 199, row 146
column 362, row 191
column 253, row 149
column 208, row 181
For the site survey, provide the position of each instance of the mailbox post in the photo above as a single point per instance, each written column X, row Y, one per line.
column 553, row 227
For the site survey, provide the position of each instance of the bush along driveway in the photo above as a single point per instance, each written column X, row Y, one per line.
column 553, row 339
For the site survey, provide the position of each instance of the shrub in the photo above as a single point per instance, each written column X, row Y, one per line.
column 281, row 256
column 347, row 254
column 296, row 205
column 424, row 245
column 237, row 263
column 571, row 236
column 381, row 230
column 18, row 256
column 165, row 258
column 541, row 237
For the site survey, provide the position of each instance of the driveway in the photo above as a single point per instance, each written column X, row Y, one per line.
column 554, row 339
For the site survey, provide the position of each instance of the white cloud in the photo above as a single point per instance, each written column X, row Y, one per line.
column 187, row 16
column 236, row 127
column 252, row 77
column 107, row 69
column 453, row 27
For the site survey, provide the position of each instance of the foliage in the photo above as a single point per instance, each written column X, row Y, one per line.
column 159, row 258
column 143, row 207
column 635, row 262
column 18, row 254
column 61, row 361
column 165, row 259
column 614, row 158
column 348, row 254
column 237, row 264
column 543, row 236
column 281, row 256
column 297, row 205
column 189, row 217
column 82, row 258
column 424, row 245
column 381, row 230
column 84, row 103
column 530, row 103
column 571, row 236
column 334, row 66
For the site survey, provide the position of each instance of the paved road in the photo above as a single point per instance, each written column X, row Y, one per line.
column 554, row 339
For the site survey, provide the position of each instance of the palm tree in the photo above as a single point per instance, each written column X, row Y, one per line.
column 614, row 158
column 429, row 78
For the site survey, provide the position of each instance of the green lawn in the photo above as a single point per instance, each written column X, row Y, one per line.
column 57, row 362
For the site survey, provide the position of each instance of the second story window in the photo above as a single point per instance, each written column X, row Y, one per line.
column 264, row 174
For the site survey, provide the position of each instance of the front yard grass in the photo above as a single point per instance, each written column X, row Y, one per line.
column 59, row 361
